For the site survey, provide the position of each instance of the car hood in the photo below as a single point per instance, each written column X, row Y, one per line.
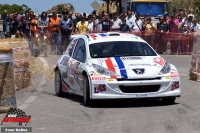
column 132, row 66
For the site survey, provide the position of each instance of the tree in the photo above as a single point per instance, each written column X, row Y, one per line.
column 21, row 9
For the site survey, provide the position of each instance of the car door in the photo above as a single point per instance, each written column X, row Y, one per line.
column 65, row 64
column 79, row 57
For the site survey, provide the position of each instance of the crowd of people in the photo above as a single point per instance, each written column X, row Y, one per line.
column 60, row 29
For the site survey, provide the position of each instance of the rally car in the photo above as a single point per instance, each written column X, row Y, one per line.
column 115, row 66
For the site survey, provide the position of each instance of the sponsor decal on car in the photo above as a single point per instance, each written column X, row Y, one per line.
column 175, row 75
column 140, row 64
column 98, row 78
column 141, row 95
column 100, row 88
column 167, row 77
column 159, row 61
column 110, row 80
column 131, row 58
column 175, row 86
column 96, row 74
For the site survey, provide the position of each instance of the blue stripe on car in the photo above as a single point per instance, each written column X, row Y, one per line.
column 121, row 67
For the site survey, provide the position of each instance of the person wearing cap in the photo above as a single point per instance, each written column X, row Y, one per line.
column 66, row 26
column 55, row 33
column 33, row 24
column 187, row 22
column 81, row 26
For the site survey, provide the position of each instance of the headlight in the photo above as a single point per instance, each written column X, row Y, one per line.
column 103, row 70
column 166, row 69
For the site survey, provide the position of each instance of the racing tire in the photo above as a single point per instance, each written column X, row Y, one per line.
column 86, row 92
column 169, row 100
column 58, row 84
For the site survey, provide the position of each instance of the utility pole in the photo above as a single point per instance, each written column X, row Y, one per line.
column 108, row 2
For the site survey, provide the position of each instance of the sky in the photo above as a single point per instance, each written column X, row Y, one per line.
column 44, row 5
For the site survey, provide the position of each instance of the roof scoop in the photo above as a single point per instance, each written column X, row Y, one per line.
column 113, row 34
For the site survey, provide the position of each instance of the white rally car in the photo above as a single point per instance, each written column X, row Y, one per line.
column 115, row 66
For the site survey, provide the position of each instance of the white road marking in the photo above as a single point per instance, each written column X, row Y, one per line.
column 39, row 88
column 31, row 99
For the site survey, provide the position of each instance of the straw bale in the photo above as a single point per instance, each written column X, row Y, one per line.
column 5, row 49
column 21, row 55
column 22, row 79
column 193, row 76
column 9, row 74
column 22, row 63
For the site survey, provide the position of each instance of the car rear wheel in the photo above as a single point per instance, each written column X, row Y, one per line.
column 86, row 91
column 58, row 85
column 169, row 100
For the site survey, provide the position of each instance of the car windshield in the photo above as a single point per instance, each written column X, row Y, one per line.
column 120, row 48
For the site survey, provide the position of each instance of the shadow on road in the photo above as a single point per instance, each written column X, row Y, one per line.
column 119, row 103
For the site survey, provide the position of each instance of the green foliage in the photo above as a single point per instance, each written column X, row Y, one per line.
column 60, row 8
column 21, row 9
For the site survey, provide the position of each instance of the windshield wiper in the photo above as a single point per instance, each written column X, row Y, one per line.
column 129, row 55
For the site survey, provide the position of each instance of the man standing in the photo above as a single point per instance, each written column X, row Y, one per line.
column 116, row 22
column 81, row 27
column 130, row 19
column 163, row 27
column 98, row 26
column 33, row 24
column 5, row 22
column 106, row 22
column 15, row 24
column 66, row 26
column 24, row 29
column 137, row 24
column 55, row 33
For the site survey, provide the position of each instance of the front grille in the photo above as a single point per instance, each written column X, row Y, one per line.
column 139, row 89
column 157, row 78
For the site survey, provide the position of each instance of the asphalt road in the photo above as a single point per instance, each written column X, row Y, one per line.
column 52, row 114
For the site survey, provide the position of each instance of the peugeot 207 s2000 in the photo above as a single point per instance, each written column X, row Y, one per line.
column 115, row 66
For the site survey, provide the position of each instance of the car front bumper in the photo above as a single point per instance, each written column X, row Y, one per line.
column 114, row 89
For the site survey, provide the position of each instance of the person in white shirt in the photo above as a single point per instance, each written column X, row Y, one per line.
column 137, row 24
column 91, row 24
column 98, row 26
column 130, row 19
column 116, row 22
column 195, row 26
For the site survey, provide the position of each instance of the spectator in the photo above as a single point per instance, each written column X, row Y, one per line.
column 162, row 25
column 81, row 27
column 106, row 22
column 5, row 23
column 43, row 23
column 24, row 29
column 173, row 24
column 91, row 24
column 14, row 24
column 116, row 22
column 98, row 26
column 124, row 27
column 55, row 33
column 123, row 15
column 188, row 22
column 149, row 31
column 130, row 19
column 18, row 17
column 195, row 26
column 137, row 24
column 66, row 26
column 33, row 25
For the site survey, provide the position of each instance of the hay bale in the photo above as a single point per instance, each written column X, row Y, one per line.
column 7, row 90
column 22, row 79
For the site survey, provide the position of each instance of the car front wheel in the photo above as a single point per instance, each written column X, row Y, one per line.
column 86, row 91
column 58, row 85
